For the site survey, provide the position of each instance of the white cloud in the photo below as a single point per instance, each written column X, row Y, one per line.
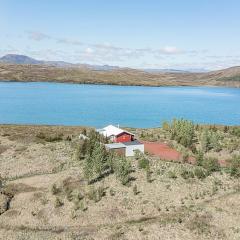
column 68, row 41
column 169, row 56
column 89, row 50
column 171, row 50
column 37, row 36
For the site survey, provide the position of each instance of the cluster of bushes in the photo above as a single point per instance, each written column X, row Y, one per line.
column 210, row 140
column 210, row 164
column 50, row 137
column 75, row 196
column 72, row 195
column 183, row 131
column 198, row 172
column 235, row 131
column 98, row 162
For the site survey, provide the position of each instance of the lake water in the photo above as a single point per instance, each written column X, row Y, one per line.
column 99, row 105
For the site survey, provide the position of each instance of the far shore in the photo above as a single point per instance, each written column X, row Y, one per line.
column 122, row 77
column 114, row 84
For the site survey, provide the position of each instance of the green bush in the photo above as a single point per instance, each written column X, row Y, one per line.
column 235, row 131
column 172, row 174
column 199, row 158
column 211, row 164
column 138, row 154
column 55, row 190
column 143, row 163
column 234, row 166
column 200, row 173
column 96, row 194
column 187, row 174
column 58, row 202
column 122, row 169
column 183, row 131
column 210, row 139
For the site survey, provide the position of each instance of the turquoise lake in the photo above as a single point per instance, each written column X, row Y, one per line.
column 99, row 105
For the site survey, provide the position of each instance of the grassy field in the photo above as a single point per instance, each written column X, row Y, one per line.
column 45, row 194
column 125, row 76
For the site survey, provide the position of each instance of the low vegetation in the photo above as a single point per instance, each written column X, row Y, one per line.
column 69, row 188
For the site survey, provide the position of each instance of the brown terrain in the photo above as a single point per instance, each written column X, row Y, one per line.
column 41, row 175
column 26, row 73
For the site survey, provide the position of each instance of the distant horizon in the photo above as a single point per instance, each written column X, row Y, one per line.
column 136, row 34
column 116, row 66
column 85, row 63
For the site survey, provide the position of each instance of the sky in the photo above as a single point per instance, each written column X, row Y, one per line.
column 173, row 34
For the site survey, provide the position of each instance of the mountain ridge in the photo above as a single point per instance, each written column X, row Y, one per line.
column 23, row 59
column 83, row 74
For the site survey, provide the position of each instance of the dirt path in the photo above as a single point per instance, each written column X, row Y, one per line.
column 163, row 151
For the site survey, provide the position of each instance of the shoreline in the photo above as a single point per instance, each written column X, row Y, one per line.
column 84, row 126
column 119, row 85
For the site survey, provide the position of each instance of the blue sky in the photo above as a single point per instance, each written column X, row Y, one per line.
column 180, row 34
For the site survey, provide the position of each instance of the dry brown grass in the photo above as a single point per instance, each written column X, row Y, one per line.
column 165, row 208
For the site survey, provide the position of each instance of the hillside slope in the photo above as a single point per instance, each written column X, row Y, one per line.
column 26, row 73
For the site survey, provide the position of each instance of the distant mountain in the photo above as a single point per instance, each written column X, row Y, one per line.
column 19, row 59
column 155, row 70
column 190, row 70
column 22, row 59
column 123, row 76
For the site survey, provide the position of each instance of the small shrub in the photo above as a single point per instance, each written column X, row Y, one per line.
column 74, row 196
column 234, row 166
column 138, row 154
column 1, row 182
column 172, row 175
column 80, row 205
column 199, row 158
column 122, row 169
column 211, row 164
column 143, row 163
column 55, row 190
column 96, row 194
column 200, row 173
column 148, row 175
column 187, row 174
column 200, row 223
column 135, row 190
column 58, row 202
column 112, row 192
column 185, row 157
column 165, row 126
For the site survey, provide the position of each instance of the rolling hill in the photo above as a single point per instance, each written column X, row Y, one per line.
column 25, row 69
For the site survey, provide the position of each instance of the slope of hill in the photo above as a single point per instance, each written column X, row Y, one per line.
column 45, row 194
column 51, row 72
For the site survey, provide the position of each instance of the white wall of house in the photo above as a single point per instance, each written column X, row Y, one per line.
column 131, row 148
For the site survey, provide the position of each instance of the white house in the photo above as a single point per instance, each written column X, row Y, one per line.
column 126, row 148
column 116, row 134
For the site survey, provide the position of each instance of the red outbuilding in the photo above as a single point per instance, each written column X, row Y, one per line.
column 116, row 134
